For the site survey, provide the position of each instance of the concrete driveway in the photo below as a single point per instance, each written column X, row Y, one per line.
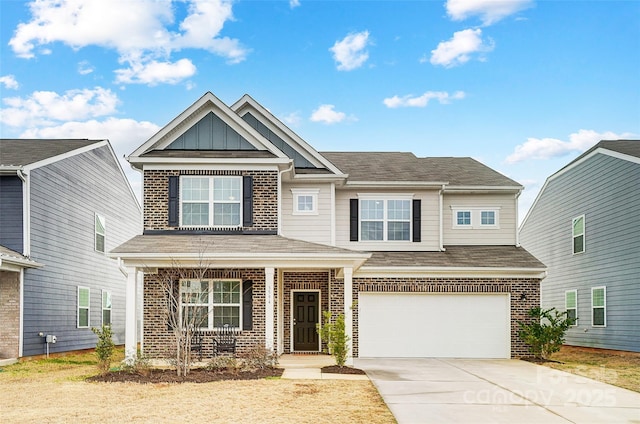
column 495, row 391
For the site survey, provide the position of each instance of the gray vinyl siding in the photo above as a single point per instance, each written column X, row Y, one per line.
column 64, row 199
column 607, row 191
column 11, row 230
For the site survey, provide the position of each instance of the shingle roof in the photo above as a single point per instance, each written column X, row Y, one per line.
column 11, row 256
column 459, row 257
column 627, row 147
column 406, row 167
column 20, row 152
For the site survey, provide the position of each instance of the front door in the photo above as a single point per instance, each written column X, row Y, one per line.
column 305, row 318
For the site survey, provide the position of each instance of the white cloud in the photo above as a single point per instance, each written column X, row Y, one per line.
column 46, row 107
column 489, row 11
column 458, row 50
column 421, row 101
column 9, row 82
column 85, row 68
column 294, row 3
column 327, row 114
column 154, row 73
column 548, row 148
column 141, row 35
column 350, row 52
column 292, row 118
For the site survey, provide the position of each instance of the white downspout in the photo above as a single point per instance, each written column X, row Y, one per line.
column 441, row 203
column 26, row 213
column 517, row 218
column 280, row 197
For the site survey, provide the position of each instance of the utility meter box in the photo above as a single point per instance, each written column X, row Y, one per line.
column 51, row 338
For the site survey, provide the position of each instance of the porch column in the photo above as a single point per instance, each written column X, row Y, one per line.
column 268, row 307
column 130, row 333
column 348, row 312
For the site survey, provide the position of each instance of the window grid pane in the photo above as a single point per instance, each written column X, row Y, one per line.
column 227, row 214
column 195, row 214
column 372, row 230
column 464, row 217
column 305, row 203
column 398, row 231
column 598, row 297
column 487, row 218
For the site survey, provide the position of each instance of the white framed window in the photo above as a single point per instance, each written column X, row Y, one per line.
column 100, row 233
column 599, row 306
column 385, row 219
column 305, row 201
column 577, row 228
column 571, row 305
column 475, row 217
column 106, row 307
column 210, row 201
column 207, row 304
column 84, row 302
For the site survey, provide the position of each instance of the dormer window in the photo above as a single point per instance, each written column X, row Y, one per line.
column 214, row 201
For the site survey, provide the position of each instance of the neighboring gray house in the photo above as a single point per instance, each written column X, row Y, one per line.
column 582, row 226
column 63, row 205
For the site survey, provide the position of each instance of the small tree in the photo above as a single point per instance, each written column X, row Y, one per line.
column 545, row 332
column 335, row 336
column 104, row 347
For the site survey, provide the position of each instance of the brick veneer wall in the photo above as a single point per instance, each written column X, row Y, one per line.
column 156, row 197
column 158, row 339
column 530, row 288
column 9, row 314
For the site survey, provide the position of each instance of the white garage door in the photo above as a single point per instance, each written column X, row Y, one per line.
column 398, row 325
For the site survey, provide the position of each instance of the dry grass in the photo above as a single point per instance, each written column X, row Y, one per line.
column 621, row 369
column 54, row 391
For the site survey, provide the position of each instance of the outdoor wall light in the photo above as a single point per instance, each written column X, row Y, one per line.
column 523, row 296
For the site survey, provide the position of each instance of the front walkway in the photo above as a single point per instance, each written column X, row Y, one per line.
column 307, row 367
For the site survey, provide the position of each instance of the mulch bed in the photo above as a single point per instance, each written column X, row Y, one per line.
column 539, row 360
column 334, row 369
column 195, row 376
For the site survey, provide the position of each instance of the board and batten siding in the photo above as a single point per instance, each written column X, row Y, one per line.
column 11, row 207
column 65, row 196
column 504, row 234
column 430, row 231
column 315, row 228
column 606, row 191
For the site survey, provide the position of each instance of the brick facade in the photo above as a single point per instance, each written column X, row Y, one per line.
column 9, row 314
column 156, row 197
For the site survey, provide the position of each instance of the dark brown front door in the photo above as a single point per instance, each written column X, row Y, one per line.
column 305, row 318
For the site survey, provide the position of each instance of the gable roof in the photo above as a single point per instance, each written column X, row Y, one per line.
column 10, row 260
column 22, row 152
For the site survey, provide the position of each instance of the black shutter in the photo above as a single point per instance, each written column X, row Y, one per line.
column 353, row 211
column 173, row 201
column 247, row 305
column 247, row 201
column 417, row 221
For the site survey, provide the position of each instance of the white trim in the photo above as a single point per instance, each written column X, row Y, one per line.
column 211, row 200
column 348, row 311
column 299, row 192
column 88, row 308
column 202, row 163
column 269, row 290
column 385, row 198
column 26, row 212
column 451, row 272
column 332, row 239
column 584, row 235
column 211, row 305
column 604, row 307
column 280, row 311
column 395, row 184
column 69, row 154
column 475, row 213
column 103, row 221
column 102, row 307
column 566, row 308
column 131, row 316
column 291, row 318
column 21, row 319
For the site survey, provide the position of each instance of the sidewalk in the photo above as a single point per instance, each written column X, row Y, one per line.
column 307, row 367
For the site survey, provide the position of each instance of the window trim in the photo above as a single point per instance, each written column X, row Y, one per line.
column 210, row 304
column 385, row 219
column 574, row 236
column 96, row 233
column 603, row 307
column 79, row 307
column 476, row 217
column 211, row 202
column 109, row 308
column 299, row 192
column 575, row 308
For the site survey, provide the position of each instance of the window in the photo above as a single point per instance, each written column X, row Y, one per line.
column 208, row 304
column 211, row 201
column 385, row 219
column 578, row 234
column 106, row 307
column 463, row 218
column 571, row 305
column 100, row 232
column 598, row 306
column 305, row 201
column 83, row 307
column 487, row 218
column 475, row 217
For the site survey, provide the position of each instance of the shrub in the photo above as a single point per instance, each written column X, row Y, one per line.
column 545, row 332
column 140, row 365
column 335, row 336
column 223, row 363
column 259, row 357
column 104, row 347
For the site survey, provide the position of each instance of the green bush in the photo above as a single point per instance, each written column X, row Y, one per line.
column 545, row 332
column 104, row 347
column 335, row 336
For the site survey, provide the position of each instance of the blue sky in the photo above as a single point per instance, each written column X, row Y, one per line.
column 523, row 86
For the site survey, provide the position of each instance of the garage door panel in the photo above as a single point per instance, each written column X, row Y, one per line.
column 433, row 325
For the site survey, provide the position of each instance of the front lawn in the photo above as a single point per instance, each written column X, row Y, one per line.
column 56, row 391
column 621, row 369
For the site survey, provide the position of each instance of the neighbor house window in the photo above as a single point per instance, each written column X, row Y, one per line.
column 578, row 234
column 83, row 307
column 475, row 217
column 571, row 305
column 100, row 232
column 305, row 201
column 385, row 219
column 599, row 306
column 208, row 304
column 211, row 201
column 106, row 307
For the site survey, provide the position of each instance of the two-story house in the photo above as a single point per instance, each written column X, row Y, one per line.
column 419, row 254
column 582, row 226
column 63, row 205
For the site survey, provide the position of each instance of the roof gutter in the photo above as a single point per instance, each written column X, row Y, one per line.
column 459, row 272
column 441, row 218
